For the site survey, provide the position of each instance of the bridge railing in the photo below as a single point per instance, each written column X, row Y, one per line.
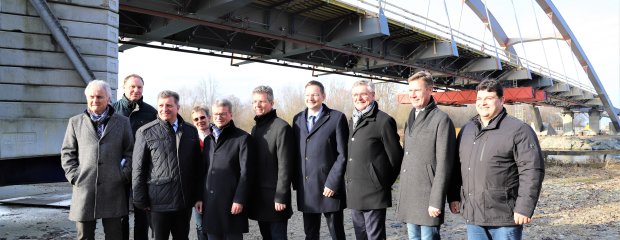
column 433, row 28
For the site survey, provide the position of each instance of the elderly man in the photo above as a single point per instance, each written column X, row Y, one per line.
column 139, row 113
column 201, row 117
column 165, row 169
column 224, row 186
column 374, row 160
column 96, row 157
column 501, row 169
column 321, row 134
column 429, row 142
column 274, row 158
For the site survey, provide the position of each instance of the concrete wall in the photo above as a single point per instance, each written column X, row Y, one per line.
column 39, row 87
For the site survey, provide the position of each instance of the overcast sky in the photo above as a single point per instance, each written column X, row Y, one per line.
column 595, row 23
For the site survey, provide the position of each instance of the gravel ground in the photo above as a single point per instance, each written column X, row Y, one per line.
column 577, row 202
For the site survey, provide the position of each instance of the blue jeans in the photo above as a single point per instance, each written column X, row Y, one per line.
column 475, row 232
column 420, row 232
column 198, row 219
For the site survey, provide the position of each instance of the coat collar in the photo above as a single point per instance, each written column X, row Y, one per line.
column 370, row 118
column 413, row 120
column 493, row 124
column 110, row 124
column 260, row 120
column 319, row 122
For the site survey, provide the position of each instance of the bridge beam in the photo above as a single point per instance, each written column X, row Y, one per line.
column 368, row 27
column 483, row 65
column 517, row 74
column 498, row 32
column 549, row 8
column 558, row 87
column 435, row 49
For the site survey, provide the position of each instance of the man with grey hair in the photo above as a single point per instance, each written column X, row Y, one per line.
column 225, row 180
column 275, row 154
column 165, row 168
column 374, row 161
column 430, row 143
column 96, row 158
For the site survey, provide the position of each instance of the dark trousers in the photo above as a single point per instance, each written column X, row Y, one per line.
column 335, row 224
column 111, row 228
column 230, row 236
column 273, row 230
column 165, row 223
column 369, row 224
column 140, row 226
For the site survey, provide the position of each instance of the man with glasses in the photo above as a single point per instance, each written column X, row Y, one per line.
column 500, row 172
column 374, row 160
column 224, row 184
column 321, row 134
column 201, row 118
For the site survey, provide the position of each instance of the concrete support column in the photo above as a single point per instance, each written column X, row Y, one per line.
column 595, row 121
column 538, row 123
column 567, row 122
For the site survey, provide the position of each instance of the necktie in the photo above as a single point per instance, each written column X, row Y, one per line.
column 311, row 123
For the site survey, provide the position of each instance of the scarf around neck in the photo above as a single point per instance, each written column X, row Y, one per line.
column 358, row 116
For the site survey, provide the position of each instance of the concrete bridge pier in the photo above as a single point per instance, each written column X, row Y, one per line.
column 567, row 123
column 595, row 121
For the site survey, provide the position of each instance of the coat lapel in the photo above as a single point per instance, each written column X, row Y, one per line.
column 89, row 125
column 322, row 119
column 109, row 127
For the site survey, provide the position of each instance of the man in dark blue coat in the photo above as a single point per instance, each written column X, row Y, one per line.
column 225, row 178
column 322, row 137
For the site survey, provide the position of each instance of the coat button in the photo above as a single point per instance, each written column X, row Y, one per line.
column 307, row 140
column 352, row 139
column 350, row 159
column 306, row 158
column 306, row 177
column 406, row 153
column 468, row 168
column 211, row 191
column 404, row 170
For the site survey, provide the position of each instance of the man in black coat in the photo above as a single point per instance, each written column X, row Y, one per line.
column 139, row 113
column 166, row 158
column 374, row 161
column 322, row 137
column 271, row 192
column 224, row 184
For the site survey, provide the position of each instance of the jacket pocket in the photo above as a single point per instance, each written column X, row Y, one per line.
column 498, row 205
column 431, row 173
column 373, row 176
column 160, row 191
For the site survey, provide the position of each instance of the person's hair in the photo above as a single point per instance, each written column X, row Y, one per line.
column 223, row 103
column 199, row 108
column 98, row 84
column 368, row 84
column 424, row 75
column 167, row 94
column 264, row 90
column 316, row 83
column 491, row 85
column 135, row 76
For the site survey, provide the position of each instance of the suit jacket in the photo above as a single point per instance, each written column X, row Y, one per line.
column 93, row 166
column 226, row 180
column 321, row 161
column 374, row 159
column 430, row 144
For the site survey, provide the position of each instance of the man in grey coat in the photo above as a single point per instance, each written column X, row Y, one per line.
column 96, row 157
column 500, row 172
column 275, row 153
column 429, row 142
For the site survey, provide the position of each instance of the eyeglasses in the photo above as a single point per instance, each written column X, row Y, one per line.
column 199, row 118
column 222, row 114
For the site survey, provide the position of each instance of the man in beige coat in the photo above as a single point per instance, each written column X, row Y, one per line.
column 96, row 156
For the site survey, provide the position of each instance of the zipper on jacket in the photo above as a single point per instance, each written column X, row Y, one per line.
column 179, row 164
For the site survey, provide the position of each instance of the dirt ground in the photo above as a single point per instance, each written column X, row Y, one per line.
column 577, row 202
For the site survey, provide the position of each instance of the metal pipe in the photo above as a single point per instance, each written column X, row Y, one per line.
column 63, row 39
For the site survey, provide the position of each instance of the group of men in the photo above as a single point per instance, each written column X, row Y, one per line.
column 491, row 173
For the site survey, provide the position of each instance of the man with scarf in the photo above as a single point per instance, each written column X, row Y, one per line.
column 139, row 113
column 430, row 143
column 374, row 161
column 96, row 158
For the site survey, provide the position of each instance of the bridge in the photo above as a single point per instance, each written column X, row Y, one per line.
column 50, row 49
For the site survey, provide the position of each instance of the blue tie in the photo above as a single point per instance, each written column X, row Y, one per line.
column 311, row 123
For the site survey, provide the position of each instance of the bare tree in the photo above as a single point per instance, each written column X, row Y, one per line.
column 289, row 101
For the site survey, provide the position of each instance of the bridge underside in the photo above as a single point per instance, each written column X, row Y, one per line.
column 334, row 38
